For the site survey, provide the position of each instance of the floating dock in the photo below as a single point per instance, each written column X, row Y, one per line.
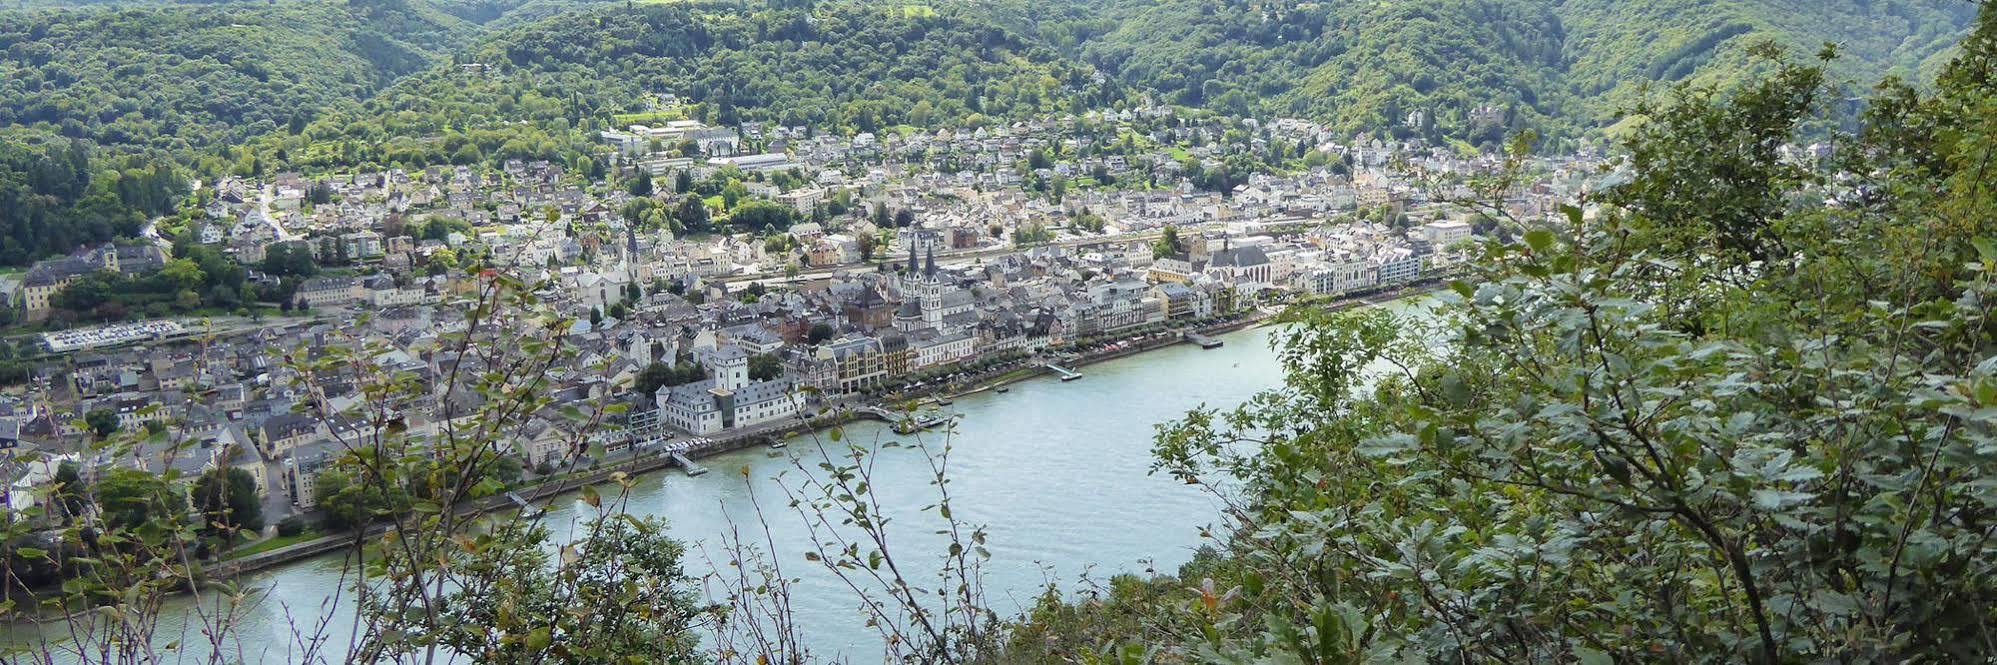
column 1066, row 374
column 908, row 423
column 687, row 465
column 1204, row 341
column 917, row 423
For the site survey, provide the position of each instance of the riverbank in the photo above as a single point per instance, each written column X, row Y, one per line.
column 1257, row 318
column 649, row 461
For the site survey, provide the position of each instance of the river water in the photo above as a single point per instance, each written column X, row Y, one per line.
column 1058, row 472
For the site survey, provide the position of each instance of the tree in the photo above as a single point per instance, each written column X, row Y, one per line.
column 291, row 526
column 1089, row 222
column 228, row 502
column 765, row 367
column 661, row 375
column 640, row 185
column 1032, row 234
column 763, row 216
column 290, row 260
column 733, row 193
column 130, row 498
column 692, row 215
column 628, row 593
column 1168, row 243
column 683, row 181
column 101, row 422
column 183, row 273
column 819, row 332
column 636, row 211
column 904, row 218
column 866, row 245
column 349, row 504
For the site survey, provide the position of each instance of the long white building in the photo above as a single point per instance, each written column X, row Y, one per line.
column 727, row 399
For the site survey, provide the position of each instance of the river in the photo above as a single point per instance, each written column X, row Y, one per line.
column 1059, row 473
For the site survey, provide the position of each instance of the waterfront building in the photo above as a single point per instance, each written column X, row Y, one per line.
column 728, row 399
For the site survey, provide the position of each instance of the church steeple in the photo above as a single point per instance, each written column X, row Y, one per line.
column 930, row 269
column 913, row 266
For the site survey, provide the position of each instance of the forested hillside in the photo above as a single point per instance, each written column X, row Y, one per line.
column 837, row 68
column 1364, row 66
column 56, row 194
column 1559, row 67
column 176, row 78
column 106, row 108
column 1614, row 48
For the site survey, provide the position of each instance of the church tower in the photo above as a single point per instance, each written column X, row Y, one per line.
column 932, row 293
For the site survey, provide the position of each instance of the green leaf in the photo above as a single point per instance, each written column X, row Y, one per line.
column 1778, row 499
column 1587, row 656
column 1386, row 445
column 1573, row 214
column 539, row 639
column 1539, row 239
column 1985, row 248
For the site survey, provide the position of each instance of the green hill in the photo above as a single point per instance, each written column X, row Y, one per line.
column 1613, row 48
column 384, row 81
column 1556, row 66
column 524, row 91
column 176, row 78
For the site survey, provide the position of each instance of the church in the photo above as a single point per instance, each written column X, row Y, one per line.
column 930, row 299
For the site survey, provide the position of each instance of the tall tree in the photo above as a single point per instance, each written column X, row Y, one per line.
column 228, row 501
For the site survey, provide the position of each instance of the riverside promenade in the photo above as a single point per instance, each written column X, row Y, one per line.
column 832, row 414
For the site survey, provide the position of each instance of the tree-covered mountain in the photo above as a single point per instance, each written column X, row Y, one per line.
column 1364, row 66
column 1558, row 67
column 179, row 78
column 57, row 194
column 1613, row 48
column 845, row 67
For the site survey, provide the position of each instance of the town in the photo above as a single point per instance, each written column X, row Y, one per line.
column 725, row 282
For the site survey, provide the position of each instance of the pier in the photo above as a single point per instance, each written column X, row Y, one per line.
column 908, row 423
column 688, row 465
column 1066, row 374
column 1204, row 341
